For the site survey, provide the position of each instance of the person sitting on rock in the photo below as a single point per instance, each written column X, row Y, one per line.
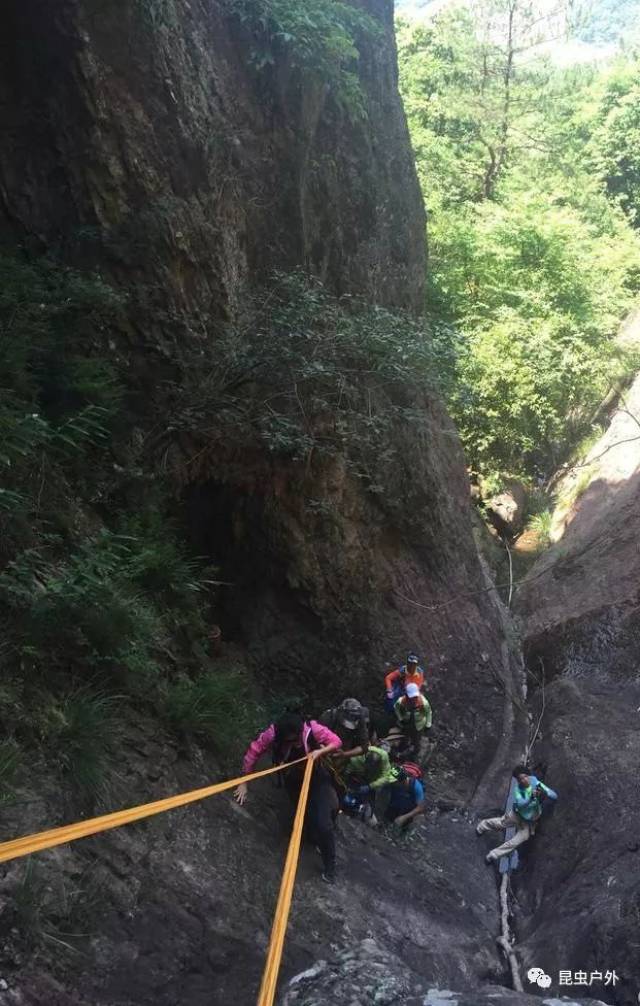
column 398, row 678
column 366, row 775
column 350, row 721
column 413, row 713
column 292, row 737
column 406, row 800
column 529, row 796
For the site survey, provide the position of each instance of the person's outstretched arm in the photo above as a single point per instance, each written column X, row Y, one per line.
column 253, row 754
column 326, row 738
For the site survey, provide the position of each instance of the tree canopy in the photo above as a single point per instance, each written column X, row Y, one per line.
column 531, row 179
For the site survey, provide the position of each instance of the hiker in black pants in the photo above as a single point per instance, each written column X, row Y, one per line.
column 290, row 738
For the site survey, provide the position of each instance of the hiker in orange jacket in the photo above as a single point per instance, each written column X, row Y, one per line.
column 398, row 678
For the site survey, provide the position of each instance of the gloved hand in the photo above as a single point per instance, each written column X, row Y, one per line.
column 390, row 694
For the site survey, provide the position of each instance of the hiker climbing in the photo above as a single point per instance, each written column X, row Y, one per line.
column 398, row 678
column 529, row 796
column 406, row 799
column 366, row 775
column 289, row 738
column 413, row 713
column 350, row 722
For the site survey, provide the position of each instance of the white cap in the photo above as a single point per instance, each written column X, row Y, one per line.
column 412, row 690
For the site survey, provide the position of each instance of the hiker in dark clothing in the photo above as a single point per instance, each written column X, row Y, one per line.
column 350, row 721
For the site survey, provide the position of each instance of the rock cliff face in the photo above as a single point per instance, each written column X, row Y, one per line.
column 581, row 600
column 580, row 615
column 140, row 139
column 141, row 136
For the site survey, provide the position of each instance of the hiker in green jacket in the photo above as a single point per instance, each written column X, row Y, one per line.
column 529, row 795
column 373, row 769
column 365, row 775
column 413, row 714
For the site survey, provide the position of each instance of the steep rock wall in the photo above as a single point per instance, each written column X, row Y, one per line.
column 580, row 614
column 141, row 135
column 140, row 140
column 580, row 604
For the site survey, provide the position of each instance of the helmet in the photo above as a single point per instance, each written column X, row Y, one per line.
column 412, row 690
column 350, row 712
column 412, row 659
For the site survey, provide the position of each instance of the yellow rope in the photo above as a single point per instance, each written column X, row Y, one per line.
column 281, row 919
column 71, row 832
column 81, row 829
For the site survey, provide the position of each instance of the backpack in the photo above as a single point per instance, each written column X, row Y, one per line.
column 413, row 770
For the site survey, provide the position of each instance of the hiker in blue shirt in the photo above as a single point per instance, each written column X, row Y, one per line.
column 529, row 795
column 406, row 800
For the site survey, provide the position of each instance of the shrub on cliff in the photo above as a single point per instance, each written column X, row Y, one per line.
column 309, row 377
column 319, row 38
column 94, row 580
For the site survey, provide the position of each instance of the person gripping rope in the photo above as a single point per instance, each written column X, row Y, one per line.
column 289, row 738
column 530, row 794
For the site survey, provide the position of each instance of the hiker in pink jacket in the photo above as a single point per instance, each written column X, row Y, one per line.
column 289, row 738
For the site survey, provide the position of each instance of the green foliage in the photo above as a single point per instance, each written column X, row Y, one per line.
column 157, row 562
column 55, row 909
column 28, row 903
column 317, row 37
column 217, row 707
column 86, row 609
column 58, row 403
column 313, row 378
column 541, row 524
column 574, row 489
column 615, row 140
column 585, row 445
column 529, row 260
column 78, row 729
column 83, row 607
